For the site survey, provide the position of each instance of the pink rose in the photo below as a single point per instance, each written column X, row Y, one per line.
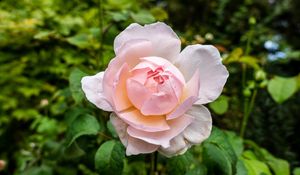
column 156, row 92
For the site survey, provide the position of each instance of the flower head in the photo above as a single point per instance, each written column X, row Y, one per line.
column 156, row 92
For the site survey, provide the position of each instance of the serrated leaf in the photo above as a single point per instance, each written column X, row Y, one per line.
column 82, row 125
column 281, row 88
column 220, row 106
column 75, row 84
column 109, row 158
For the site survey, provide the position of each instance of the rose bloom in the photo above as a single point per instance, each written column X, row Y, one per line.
column 156, row 92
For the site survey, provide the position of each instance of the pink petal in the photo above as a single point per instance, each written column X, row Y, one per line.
column 166, row 42
column 213, row 74
column 146, row 123
column 200, row 129
column 178, row 146
column 189, row 97
column 92, row 87
column 162, row 102
column 120, row 98
column 130, row 54
column 163, row 137
column 167, row 66
column 195, row 133
column 120, row 127
column 133, row 146
column 137, row 93
column 137, row 146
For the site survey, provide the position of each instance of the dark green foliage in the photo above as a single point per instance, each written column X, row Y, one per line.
column 48, row 127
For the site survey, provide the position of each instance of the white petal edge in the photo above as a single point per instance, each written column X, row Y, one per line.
column 92, row 87
column 213, row 74
column 195, row 133
column 166, row 42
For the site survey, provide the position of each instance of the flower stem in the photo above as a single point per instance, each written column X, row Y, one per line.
column 154, row 163
column 247, row 113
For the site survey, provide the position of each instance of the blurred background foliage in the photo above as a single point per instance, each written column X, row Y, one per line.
column 46, row 46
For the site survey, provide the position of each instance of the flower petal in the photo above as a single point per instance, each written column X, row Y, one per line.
column 133, row 146
column 189, row 97
column 137, row 93
column 200, row 129
column 130, row 54
column 213, row 74
column 195, row 133
column 163, row 137
column 120, row 98
column 146, row 123
column 92, row 86
column 137, row 146
column 178, row 146
column 162, row 102
column 166, row 42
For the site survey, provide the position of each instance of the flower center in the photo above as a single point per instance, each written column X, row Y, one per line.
column 157, row 75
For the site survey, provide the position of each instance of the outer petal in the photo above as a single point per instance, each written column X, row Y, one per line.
column 163, row 137
column 133, row 146
column 213, row 74
column 200, row 129
column 195, row 133
column 92, row 86
column 146, row 123
column 165, row 40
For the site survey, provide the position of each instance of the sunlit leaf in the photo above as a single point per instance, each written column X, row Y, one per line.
column 220, row 106
column 281, row 88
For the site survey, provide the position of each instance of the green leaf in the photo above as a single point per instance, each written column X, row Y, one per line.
column 296, row 171
column 38, row 170
column 111, row 129
column 254, row 166
column 279, row 166
column 75, row 84
column 241, row 168
column 82, row 125
column 109, row 158
column 217, row 160
column 220, row 106
column 179, row 165
column 80, row 40
column 143, row 17
column 219, row 155
column 281, row 88
column 73, row 151
column 250, row 61
column 235, row 141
